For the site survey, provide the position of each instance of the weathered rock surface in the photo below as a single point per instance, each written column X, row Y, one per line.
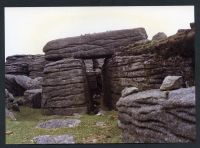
column 67, row 47
column 12, row 86
column 28, row 83
column 48, row 139
column 172, row 82
column 159, row 36
column 17, row 64
column 28, row 65
column 155, row 116
column 9, row 101
column 33, row 98
column 36, row 66
column 65, row 87
column 94, row 54
column 129, row 90
column 145, row 64
column 17, row 84
column 59, row 123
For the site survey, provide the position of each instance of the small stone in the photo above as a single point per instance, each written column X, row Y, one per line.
column 101, row 124
column 76, row 115
column 94, row 140
column 9, row 132
column 171, row 83
column 10, row 115
column 129, row 90
column 100, row 113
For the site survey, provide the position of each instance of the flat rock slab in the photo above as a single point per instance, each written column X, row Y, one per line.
column 48, row 139
column 59, row 123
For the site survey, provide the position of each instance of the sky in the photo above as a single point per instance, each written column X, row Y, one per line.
column 28, row 29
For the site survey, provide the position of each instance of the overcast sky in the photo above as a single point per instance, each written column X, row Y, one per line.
column 27, row 30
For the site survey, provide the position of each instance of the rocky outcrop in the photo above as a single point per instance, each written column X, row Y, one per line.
column 106, row 41
column 155, row 116
column 65, row 87
column 145, row 64
column 32, row 98
column 17, row 64
column 28, row 65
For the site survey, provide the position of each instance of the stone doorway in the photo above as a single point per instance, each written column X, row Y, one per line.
column 95, row 66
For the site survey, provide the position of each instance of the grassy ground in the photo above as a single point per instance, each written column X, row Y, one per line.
column 23, row 130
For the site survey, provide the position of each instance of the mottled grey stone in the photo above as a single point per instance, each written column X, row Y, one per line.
column 49, row 139
column 156, row 116
column 59, row 123
column 33, row 98
column 129, row 90
column 172, row 82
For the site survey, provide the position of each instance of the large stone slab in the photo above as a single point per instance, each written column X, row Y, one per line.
column 49, row 139
column 97, row 42
column 156, row 116
column 59, row 123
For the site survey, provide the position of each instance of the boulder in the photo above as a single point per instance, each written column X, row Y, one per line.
column 129, row 90
column 9, row 101
column 28, row 83
column 18, row 64
column 159, row 36
column 59, row 123
column 172, row 82
column 49, row 139
column 17, row 84
column 12, row 86
column 155, row 116
column 65, row 89
column 33, row 98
